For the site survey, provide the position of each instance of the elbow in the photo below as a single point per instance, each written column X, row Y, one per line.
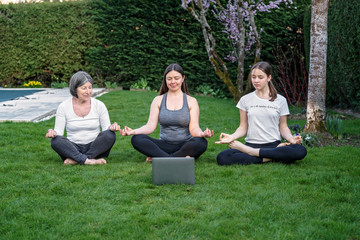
column 149, row 129
column 196, row 133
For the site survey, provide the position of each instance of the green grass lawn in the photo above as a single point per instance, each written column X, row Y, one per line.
column 40, row 198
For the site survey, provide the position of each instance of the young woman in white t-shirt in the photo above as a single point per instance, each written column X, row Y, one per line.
column 263, row 119
column 90, row 136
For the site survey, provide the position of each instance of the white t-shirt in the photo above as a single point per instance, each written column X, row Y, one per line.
column 81, row 130
column 263, row 117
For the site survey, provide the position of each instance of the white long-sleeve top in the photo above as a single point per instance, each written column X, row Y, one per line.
column 81, row 130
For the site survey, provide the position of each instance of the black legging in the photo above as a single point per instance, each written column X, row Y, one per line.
column 100, row 147
column 152, row 147
column 285, row 154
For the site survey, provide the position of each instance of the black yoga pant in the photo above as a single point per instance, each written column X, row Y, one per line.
column 100, row 147
column 285, row 154
column 152, row 147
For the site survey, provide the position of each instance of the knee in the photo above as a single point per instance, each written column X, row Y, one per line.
column 53, row 141
column 302, row 152
column 201, row 143
column 299, row 153
column 221, row 159
column 109, row 135
column 137, row 139
column 56, row 141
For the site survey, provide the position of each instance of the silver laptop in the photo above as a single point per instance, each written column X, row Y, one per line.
column 173, row 170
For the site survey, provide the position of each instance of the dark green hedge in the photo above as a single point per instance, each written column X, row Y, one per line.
column 282, row 28
column 44, row 41
column 124, row 41
column 140, row 38
column 117, row 41
column 342, row 70
column 283, row 47
column 343, row 63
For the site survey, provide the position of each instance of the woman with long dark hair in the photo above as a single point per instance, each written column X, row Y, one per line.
column 178, row 115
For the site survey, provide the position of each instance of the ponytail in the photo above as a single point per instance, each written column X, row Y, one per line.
column 273, row 92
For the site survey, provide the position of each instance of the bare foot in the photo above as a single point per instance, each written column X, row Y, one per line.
column 101, row 161
column 148, row 159
column 188, row 157
column 267, row 159
column 95, row 161
column 69, row 161
column 244, row 148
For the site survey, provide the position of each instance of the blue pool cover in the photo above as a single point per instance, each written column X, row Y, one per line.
column 11, row 94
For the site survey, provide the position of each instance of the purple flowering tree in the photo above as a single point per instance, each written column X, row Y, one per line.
column 238, row 20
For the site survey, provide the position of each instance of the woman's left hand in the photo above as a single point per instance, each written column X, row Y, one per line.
column 114, row 127
column 208, row 133
column 296, row 139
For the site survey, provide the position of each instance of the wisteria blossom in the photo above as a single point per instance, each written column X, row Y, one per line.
column 238, row 20
column 235, row 13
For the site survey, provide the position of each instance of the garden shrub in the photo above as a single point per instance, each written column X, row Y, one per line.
column 140, row 38
column 342, row 70
column 122, row 42
column 343, row 64
column 44, row 41
column 283, row 47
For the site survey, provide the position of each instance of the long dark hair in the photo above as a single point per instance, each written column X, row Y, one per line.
column 173, row 67
column 267, row 69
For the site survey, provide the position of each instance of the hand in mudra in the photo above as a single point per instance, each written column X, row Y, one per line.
column 225, row 138
column 296, row 140
column 127, row 131
column 208, row 133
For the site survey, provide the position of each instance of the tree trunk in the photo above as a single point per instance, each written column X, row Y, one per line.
column 257, row 36
column 316, row 111
column 240, row 50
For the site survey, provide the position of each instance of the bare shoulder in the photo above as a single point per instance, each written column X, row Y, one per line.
column 157, row 100
column 192, row 101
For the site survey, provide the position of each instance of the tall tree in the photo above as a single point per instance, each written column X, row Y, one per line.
column 316, row 110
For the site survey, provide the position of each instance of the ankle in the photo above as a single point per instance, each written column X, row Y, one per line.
column 254, row 152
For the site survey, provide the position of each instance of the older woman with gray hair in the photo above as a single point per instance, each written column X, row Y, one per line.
column 82, row 116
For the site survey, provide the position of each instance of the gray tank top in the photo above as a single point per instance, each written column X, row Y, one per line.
column 174, row 124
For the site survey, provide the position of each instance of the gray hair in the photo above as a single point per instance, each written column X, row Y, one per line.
column 77, row 80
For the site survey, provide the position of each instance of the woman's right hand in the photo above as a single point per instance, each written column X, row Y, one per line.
column 51, row 133
column 225, row 138
column 115, row 127
column 127, row 131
